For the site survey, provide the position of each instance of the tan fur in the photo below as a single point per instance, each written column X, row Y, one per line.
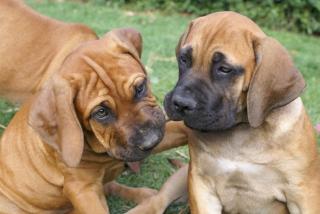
column 268, row 162
column 246, row 177
column 32, row 48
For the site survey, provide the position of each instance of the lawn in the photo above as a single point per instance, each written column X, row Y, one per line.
column 160, row 34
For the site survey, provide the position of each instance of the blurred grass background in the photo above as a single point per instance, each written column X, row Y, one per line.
column 161, row 32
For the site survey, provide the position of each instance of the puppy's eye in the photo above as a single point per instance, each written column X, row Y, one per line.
column 183, row 59
column 102, row 114
column 224, row 69
column 141, row 89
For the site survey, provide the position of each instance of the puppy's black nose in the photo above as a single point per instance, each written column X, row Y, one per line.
column 149, row 141
column 183, row 104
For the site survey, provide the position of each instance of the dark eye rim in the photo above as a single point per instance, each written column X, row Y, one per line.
column 224, row 69
column 183, row 59
column 105, row 117
column 141, row 89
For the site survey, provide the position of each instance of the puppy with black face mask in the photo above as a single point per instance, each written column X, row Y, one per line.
column 252, row 145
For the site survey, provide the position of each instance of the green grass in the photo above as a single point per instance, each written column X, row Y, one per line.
column 160, row 34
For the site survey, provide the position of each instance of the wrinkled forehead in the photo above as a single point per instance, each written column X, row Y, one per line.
column 119, row 72
column 114, row 67
column 115, row 58
column 226, row 32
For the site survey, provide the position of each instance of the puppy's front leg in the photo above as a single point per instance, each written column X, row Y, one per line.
column 303, row 200
column 173, row 189
column 83, row 187
column 176, row 135
column 201, row 197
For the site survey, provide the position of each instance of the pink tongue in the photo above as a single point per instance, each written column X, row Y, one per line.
column 318, row 128
column 134, row 166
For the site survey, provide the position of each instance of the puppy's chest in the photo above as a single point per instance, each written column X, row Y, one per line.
column 243, row 179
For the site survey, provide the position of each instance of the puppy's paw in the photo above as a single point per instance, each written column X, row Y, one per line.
column 152, row 205
column 134, row 194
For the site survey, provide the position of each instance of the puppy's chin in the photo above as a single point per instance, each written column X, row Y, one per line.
column 128, row 154
column 199, row 122
column 203, row 127
column 204, row 124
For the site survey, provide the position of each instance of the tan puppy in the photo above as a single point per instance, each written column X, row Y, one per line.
column 252, row 146
column 32, row 48
column 95, row 112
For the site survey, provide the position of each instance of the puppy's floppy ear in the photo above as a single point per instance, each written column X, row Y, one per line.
column 131, row 38
column 275, row 81
column 54, row 118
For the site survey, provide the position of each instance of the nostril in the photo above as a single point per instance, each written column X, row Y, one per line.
column 177, row 106
column 180, row 106
column 183, row 104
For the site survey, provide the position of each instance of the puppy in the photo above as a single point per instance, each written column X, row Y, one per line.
column 252, row 146
column 34, row 48
column 94, row 113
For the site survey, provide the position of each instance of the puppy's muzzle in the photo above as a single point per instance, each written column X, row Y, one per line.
column 147, row 136
column 183, row 105
column 150, row 140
